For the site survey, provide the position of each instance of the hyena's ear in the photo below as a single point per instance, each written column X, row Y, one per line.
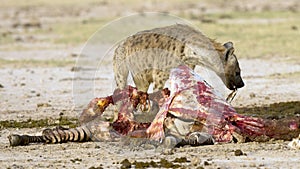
column 229, row 50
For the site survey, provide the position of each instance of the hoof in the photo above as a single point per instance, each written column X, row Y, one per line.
column 200, row 138
column 14, row 140
column 170, row 142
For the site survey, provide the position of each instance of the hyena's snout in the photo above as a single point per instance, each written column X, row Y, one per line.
column 234, row 83
column 239, row 83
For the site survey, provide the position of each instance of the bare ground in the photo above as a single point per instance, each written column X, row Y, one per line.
column 25, row 88
column 43, row 91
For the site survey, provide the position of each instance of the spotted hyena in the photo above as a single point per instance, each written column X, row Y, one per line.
column 150, row 55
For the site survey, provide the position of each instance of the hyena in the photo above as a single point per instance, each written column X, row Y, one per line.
column 150, row 55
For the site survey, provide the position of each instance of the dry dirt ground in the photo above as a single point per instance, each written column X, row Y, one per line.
column 40, row 88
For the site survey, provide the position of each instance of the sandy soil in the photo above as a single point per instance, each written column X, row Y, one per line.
column 47, row 92
column 53, row 86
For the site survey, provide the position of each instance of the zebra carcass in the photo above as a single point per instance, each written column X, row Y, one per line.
column 191, row 112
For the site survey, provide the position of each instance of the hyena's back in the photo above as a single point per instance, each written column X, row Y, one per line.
column 149, row 55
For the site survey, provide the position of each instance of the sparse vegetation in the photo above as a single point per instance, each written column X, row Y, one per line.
column 62, row 121
column 257, row 35
column 265, row 30
column 269, row 33
column 35, row 63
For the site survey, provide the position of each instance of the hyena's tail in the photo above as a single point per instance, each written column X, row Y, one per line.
column 56, row 135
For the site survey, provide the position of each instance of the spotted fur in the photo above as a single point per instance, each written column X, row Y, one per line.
column 150, row 55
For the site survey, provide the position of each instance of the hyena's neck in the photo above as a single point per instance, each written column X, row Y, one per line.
column 211, row 59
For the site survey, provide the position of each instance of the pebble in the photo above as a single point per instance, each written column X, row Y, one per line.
column 206, row 163
column 195, row 161
column 238, row 152
column 43, row 105
column 252, row 95
column 125, row 163
column 295, row 143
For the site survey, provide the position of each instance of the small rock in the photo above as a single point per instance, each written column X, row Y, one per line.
column 207, row 20
column 15, row 24
column 1, row 86
column 167, row 164
column 206, row 163
column 76, row 160
column 252, row 95
column 43, row 105
column 32, row 23
column 294, row 27
column 74, row 54
column 148, row 146
column 181, row 160
column 195, row 161
column 295, row 143
column 238, row 152
column 167, row 151
column 96, row 167
column 252, row 165
column 125, row 163
column 19, row 39
column 75, row 69
column 4, row 34
column 84, row 21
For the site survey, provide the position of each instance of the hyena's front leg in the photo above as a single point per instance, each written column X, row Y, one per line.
column 160, row 78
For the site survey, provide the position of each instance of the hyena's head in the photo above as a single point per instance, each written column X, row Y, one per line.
column 233, row 79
